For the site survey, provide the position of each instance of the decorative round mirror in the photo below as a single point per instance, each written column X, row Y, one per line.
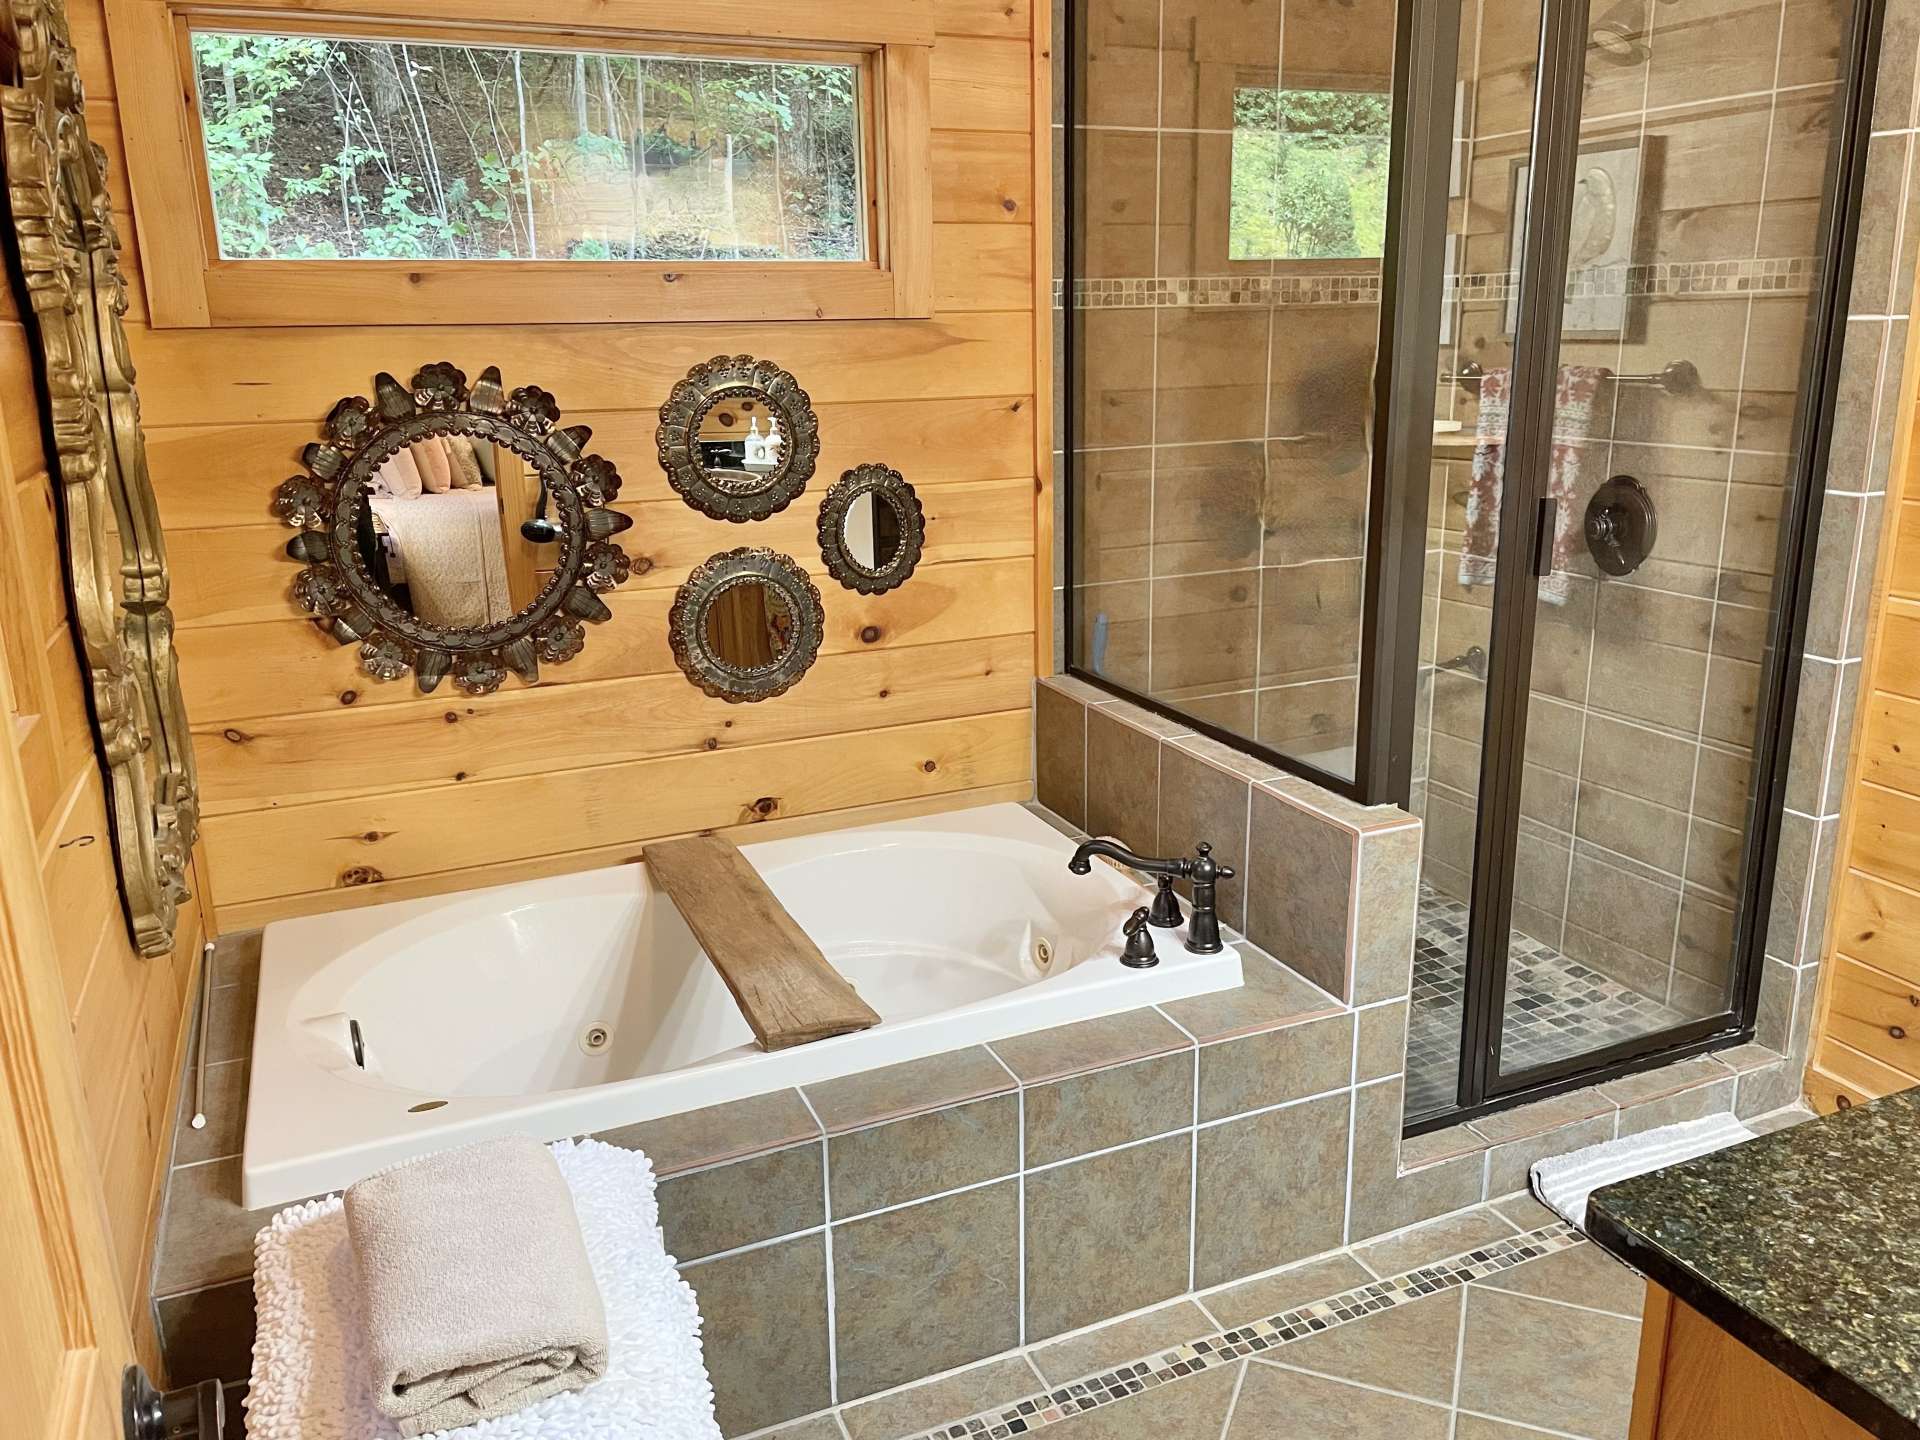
column 746, row 625
column 872, row 529
column 454, row 530
column 738, row 438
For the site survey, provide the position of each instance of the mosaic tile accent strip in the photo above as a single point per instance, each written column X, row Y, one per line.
column 1556, row 1007
column 1227, row 1347
column 1215, row 291
column 1769, row 275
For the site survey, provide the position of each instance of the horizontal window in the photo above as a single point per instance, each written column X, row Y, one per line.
column 331, row 147
column 1309, row 174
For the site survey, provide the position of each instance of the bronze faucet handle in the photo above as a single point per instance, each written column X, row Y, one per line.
column 1206, row 867
column 1138, row 951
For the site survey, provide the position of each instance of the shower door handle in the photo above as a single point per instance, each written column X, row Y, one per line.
column 1546, row 527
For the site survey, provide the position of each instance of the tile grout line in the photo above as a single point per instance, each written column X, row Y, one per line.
column 1233, row 1402
column 1020, row 1094
column 1460, row 1358
column 826, row 1202
column 1564, row 1304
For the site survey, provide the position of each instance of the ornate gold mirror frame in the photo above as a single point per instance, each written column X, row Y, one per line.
column 116, row 558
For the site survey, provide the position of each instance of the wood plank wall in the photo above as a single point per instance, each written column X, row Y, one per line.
column 1867, row 1031
column 127, row 1013
column 324, row 788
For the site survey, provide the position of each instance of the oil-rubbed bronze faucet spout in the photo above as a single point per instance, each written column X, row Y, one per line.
column 1203, row 930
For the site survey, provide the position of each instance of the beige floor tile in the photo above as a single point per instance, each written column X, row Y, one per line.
column 951, row 1398
column 1410, row 1348
column 1436, row 1240
column 1525, row 1211
column 1275, row 1402
column 1191, row 1409
column 821, row 1427
column 1586, row 1275
column 1475, row 1427
column 1547, row 1365
column 1120, row 1342
column 1269, row 1295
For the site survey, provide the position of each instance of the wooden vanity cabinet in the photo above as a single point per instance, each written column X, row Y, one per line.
column 1697, row 1382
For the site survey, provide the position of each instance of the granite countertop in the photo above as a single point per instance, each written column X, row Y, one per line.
column 1802, row 1244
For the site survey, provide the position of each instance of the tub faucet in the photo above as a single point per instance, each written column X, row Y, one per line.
column 1203, row 930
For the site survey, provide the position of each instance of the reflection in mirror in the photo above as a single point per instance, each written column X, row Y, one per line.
column 732, row 438
column 872, row 529
column 871, row 532
column 738, row 438
column 746, row 625
column 433, row 534
column 454, row 530
column 749, row 625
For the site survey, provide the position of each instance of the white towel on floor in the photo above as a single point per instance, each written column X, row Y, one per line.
column 1564, row 1182
column 312, row 1376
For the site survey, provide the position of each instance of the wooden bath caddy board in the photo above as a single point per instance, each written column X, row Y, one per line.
column 782, row 983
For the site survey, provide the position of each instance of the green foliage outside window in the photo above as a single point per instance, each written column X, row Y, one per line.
column 1309, row 174
column 322, row 148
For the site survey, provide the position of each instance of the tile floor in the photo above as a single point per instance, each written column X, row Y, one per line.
column 1556, row 1007
column 1544, row 1346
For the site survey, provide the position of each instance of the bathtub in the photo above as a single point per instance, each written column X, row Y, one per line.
column 579, row 1004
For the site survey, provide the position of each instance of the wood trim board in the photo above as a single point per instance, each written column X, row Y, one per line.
column 786, row 990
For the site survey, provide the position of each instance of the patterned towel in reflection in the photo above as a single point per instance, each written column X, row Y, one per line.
column 1576, row 406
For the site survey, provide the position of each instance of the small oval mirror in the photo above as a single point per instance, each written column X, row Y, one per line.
column 872, row 529
column 746, row 625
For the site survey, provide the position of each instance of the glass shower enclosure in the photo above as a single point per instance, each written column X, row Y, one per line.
column 1447, row 406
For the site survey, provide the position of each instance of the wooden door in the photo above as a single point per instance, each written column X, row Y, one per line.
column 63, row 1341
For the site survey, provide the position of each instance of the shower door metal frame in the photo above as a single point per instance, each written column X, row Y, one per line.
column 1412, row 295
column 1482, row 1086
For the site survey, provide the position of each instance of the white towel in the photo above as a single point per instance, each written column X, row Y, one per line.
column 477, row 1296
column 312, row 1376
column 1564, row 1182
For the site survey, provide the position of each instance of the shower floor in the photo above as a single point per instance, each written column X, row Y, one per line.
column 1556, row 1007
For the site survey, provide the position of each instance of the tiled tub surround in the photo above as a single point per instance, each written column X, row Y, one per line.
column 861, row 1234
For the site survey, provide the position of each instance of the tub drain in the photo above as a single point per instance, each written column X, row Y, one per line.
column 595, row 1039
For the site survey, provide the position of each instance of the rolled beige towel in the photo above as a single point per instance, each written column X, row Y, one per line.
column 478, row 1295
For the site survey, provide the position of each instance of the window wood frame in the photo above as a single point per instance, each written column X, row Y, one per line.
column 189, row 285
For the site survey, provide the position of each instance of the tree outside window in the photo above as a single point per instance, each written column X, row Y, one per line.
column 333, row 148
column 1309, row 174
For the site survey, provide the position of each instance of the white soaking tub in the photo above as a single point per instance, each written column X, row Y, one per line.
column 583, row 1003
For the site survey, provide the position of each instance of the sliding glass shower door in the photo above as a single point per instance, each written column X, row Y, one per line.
column 1618, row 529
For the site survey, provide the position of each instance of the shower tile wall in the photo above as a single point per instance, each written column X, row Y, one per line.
column 1644, row 688
column 1220, row 484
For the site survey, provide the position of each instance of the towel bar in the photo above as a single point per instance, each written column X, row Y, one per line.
column 1677, row 377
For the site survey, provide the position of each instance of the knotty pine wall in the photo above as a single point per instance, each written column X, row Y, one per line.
column 1867, row 1037
column 127, row 1013
column 323, row 788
